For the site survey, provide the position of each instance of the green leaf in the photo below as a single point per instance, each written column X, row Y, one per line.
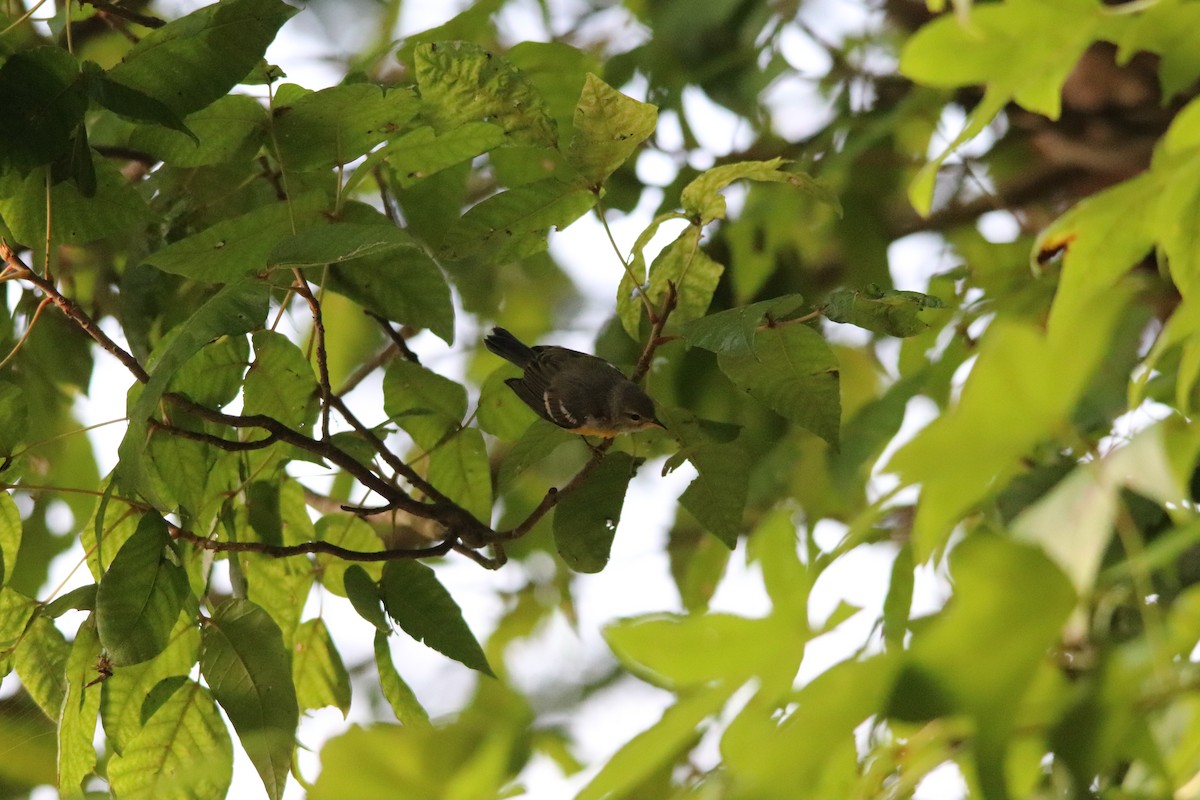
column 585, row 521
column 140, row 596
column 363, row 593
column 239, row 246
column 81, row 707
column 213, row 376
column 78, row 217
column 460, row 469
column 717, row 496
column 609, row 128
column 1009, row 601
column 514, row 223
column 692, row 272
column 14, row 414
column 898, row 602
column 426, row 405
column 460, row 82
column 500, row 412
column 424, row 610
column 247, row 667
column 235, row 309
column 129, row 102
column 734, row 329
column 16, row 610
column 334, row 244
column 703, row 202
column 10, row 534
column 879, row 310
column 321, row 678
column 791, row 369
column 192, row 61
column 182, row 753
column 658, row 746
column 228, row 130
column 423, row 152
column 400, row 697
column 45, row 103
column 406, row 285
column 41, row 662
column 334, row 126
column 81, row 598
column 538, row 441
column 280, row 382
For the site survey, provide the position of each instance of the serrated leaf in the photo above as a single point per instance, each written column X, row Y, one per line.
column 426, row 405
column 41, row 663
column 78, row 217
column 192, row 61
column 213, row 376
column 247, row 667
column 460, row 82
column 703, row 202
column 334, row 126
column 717, row 496
column 421, row 606
column 363, row 593
column 337, row 243
column 514, row 223
column 140, row 596
column 400, row 697
column 692, row 272
column 585, row 521
column 460, row 469
column 791, row 369
column 609, row 128
column 46, row 102
column 887, row 311
column 81, row 707
column 129, row 102
column 320, row 676
column 422, row 153
column 232, row 126
column 183, row 752
column 280, row 382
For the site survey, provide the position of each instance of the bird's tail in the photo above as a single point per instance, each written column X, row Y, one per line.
column 508, row 347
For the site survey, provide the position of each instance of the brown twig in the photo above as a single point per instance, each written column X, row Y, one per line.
column 115, row 10
column 216, row 441
column 306, row 548
column 302, row 288
column 397, row 337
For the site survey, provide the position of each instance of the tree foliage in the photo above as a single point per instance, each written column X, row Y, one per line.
column 265, row 265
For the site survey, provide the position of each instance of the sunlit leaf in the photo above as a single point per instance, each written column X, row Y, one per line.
column 609, row 128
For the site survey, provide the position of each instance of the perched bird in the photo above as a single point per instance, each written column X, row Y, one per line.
column 582, row 393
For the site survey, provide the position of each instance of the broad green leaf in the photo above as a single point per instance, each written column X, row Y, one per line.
column 679, row 652
column 76, row 217
column 239, row 246
column 14, row 415
column 609, row 128
column 1004, row 412
column 350, row 532
column 1009, row 601
column 10, row 534
column 460, row 469
column 424, row 610
column 400, row 697
column 788, row 581
column 213, row 376
column 515, row 223
column 734, row 328
column 630, row 305
column 45, row 102
column 500, row 412
column 230, row 128
column 124, row 692
column 717, row 495
column 235, row 309
column 586, row 520
column 559, row 72
column 249, row 672
column 182, row 753
column 887, row 311
column 41, row 663
column 538, row 441
column 334, row 244
column 692, row 272
column 422, row 153
column 280, row 382
column 280, row 587
column 703, row 202
column 426, row 405
column 660, row 745
column 140, row 596
column 81, row 707
column 363, row 593
column 16, row 610
column 897, row 604
column 321, row 678
column 192, row 61
column 337, row 125
column 129, row 102
column 81, row 598
column 791, row 369
column 1161, row 28
column 460, row 82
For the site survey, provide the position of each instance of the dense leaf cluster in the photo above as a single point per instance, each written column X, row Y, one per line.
column 253, row 258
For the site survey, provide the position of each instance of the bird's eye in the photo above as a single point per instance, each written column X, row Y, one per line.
column 636, row 417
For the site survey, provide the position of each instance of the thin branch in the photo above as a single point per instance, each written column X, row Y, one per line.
column 397, row 337
column 307, row 548
column 314, row 305
column 216, row 441
column 115, row 10
column 366, row 368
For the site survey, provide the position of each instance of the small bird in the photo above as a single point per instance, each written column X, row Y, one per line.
column 582, row 393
